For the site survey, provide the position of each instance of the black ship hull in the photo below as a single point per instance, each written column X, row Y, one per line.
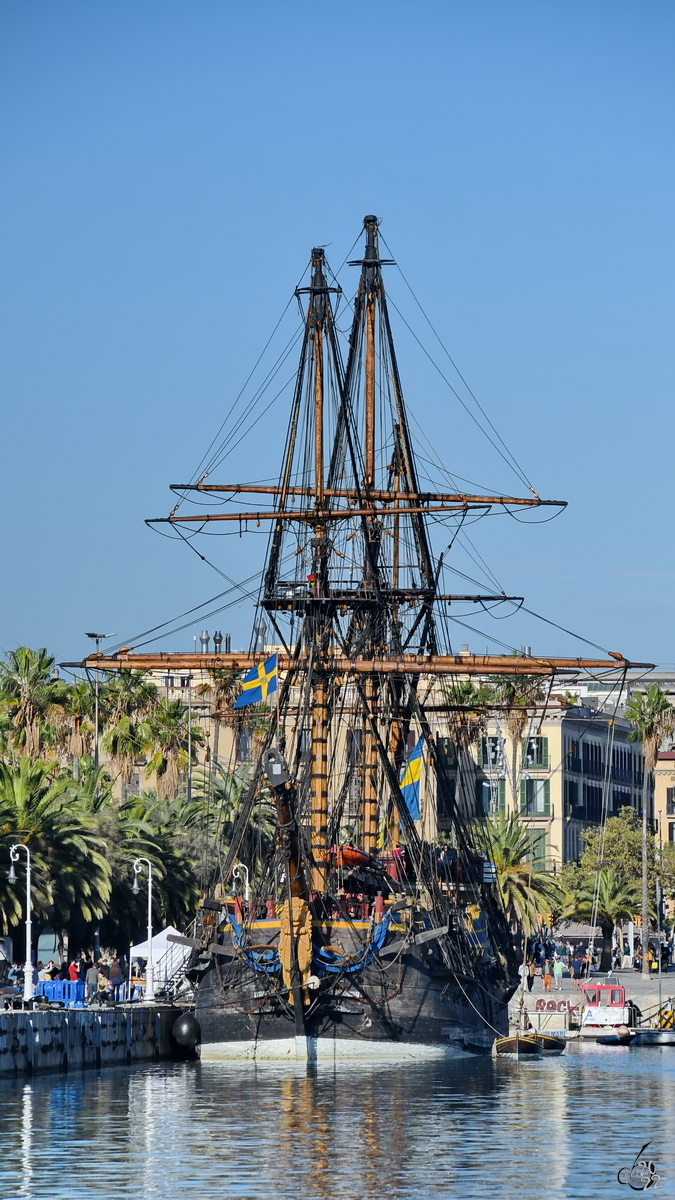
column 390, row 1011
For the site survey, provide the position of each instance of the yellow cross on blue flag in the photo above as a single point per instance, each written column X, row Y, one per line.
column 410, row 781
column 258, row 683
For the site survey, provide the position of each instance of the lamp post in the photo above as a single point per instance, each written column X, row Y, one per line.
column 28, row 989
column 138, row 867
column 98, row 638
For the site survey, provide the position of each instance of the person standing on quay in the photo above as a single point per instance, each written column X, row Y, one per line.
column 558, row 974
column 547, row 975
column 530, row 974
column 91, row 980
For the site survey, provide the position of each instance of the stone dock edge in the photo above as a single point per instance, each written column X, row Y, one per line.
column 65, row 1039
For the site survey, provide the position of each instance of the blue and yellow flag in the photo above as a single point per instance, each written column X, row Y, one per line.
column 410, row 781
column 258, row 683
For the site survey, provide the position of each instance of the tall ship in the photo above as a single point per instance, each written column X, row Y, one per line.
column 371, row 925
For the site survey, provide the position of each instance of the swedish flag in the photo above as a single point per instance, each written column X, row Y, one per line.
column 258, row 683
column 410, row 781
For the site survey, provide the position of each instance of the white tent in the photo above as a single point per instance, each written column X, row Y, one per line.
column 160, row 945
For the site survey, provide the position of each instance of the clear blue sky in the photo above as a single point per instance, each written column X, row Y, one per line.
column 165, row 169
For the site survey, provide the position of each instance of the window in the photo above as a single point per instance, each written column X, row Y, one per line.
column 670, row 801
column 593, row 801
column 535, row 753
column 490, row 796
column 491, row 752
column 535, row 797
column 537, row 850
column 621, row 798
column 591, row 995
column 671, row 831
column 168, row 681
column 616, row 996
column 571, row 754
column 244, row 747
column 571, row 797
column 593, row 764
column 185, row 681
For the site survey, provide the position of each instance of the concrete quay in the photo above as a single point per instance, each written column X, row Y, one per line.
column 65, row 1039
column 643, row 992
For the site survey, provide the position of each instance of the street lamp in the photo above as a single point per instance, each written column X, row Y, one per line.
column 98, row 638
column 138, row 867
column 236, row 875
column 28, row 990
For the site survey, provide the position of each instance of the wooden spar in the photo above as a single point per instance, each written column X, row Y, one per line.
column 319, row 782
column 368, row 838
column 353, row 494
column 404, row 664
column 370, row 392
column 368, row 510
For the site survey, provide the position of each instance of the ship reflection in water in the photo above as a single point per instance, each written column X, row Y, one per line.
column 474, row 1128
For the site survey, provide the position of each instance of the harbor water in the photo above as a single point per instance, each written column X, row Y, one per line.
column 468, row 1127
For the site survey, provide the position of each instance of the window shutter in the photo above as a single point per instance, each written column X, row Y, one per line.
column 547, row 797
column 523, row 797
column 502, row 795
column 544, row 752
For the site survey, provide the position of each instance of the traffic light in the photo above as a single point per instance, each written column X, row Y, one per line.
column 637, row 921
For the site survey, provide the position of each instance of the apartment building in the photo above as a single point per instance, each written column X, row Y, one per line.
column 573, row 762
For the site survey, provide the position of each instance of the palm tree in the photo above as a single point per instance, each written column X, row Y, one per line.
column 30, row 695
column 124, row 741
column 518, row 693
column 467, row 719
column 607, row 899
column 654, row 720
column 128, row 700
column 128, row 694
column 70, row 868
column 79, row 706
column 216, row 804
column 165, row 737
column 525, row 892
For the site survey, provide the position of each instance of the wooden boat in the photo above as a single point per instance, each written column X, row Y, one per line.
column 517, row 1047
column 550, row 1044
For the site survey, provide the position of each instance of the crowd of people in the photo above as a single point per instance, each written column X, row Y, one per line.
column 103, row 979
column 549, row 960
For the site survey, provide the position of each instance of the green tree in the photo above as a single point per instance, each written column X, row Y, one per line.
column 526, row 893
column 30, row 695
column 654, row 719
column 70, row 868
column 605, row 898
column 165, row 737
